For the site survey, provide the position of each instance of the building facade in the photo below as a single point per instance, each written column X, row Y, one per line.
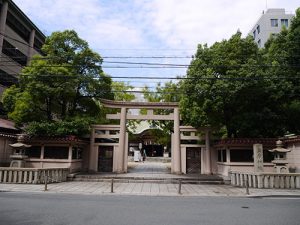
column 270, row 23
column 20, row 39
column 107, row 148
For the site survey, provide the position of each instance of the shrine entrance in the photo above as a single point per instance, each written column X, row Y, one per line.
column 105, row 158
column 193, row 160
column 116, row 137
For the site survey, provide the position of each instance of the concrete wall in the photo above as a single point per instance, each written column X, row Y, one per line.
column 74, row 165
column 5, row 151
column 293, row 157
column 224, row 168
column 265, row 24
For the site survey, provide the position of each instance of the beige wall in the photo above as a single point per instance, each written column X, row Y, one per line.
column 5, row 151
column 224, row 168
column 74, row 165
column 214, row 160
column 293, row 157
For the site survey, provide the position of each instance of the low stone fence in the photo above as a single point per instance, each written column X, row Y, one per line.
column 33, row 175
column 265, row 180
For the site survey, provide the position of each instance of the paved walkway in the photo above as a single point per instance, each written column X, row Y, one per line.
column 146, row 170
column 149, row 189
column 149, row 167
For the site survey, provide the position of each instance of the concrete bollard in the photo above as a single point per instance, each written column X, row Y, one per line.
column 112, row 186
column 46, row 185
column 179, row 186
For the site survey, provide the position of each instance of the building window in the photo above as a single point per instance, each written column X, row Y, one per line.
column 17, row 26
column 222, row 155
column 6, row 79
column 259, row 43
column 258, row 29
column 274, row 22
column 268, row 156
column 38, row 45
column 76, row 153
column 55, row 152
column 241, row 155
column 284, row 22
column 254, row 34
column 33, row 152
column 14, row 53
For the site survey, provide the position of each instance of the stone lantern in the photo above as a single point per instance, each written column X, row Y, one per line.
column 280, row 160
column 19, row 153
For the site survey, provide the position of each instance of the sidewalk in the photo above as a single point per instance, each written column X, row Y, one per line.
column 147, row 170
column 148, row 189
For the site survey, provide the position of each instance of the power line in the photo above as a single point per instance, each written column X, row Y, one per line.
column 161, row 66
column 75, row 76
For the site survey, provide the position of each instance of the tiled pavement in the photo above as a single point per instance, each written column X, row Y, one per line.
column 147, row 169
column 151, row 189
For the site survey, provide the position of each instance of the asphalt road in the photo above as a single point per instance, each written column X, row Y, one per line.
column 64, row 209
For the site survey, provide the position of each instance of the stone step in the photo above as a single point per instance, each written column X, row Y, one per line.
column 151, row 179
column 153, row 159
column 160, row 181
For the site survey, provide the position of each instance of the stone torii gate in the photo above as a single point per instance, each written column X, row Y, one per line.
column 120, row 151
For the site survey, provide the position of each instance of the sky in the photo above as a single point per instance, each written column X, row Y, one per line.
column 163, row 31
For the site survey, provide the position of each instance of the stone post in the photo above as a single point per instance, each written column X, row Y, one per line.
column 70, row 153
column 172, row 153
column 227, row 155
column 176, row 142
column 122, row 141
column 93, row 158
column 258, row 157
column 125, row 155
column 207, row 154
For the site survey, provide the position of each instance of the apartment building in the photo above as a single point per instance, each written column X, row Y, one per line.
column 20, row 39
column 270, row 23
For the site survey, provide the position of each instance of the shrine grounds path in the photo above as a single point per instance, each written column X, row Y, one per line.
column 139, row 181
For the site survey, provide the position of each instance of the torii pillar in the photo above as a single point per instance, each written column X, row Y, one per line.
column 122, row 142
column 176, row 155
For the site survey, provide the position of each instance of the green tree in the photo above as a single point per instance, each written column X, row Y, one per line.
column 122, row 91
column 226, row 87
column 282, row 53
column 169, row 92
column 62, row 86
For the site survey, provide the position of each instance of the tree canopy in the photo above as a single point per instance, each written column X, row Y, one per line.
column 61, row 85
column 248, row 91
column 167, row 92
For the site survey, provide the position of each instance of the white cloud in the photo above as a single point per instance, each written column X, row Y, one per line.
column 172, row 27
column 95, row 22
column 172, row 23
column 187, row 23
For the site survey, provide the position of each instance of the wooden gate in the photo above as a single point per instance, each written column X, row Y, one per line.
column 193, row 160
column 105, row 159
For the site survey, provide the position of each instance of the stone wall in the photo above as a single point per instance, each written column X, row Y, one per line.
column 32, row 175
